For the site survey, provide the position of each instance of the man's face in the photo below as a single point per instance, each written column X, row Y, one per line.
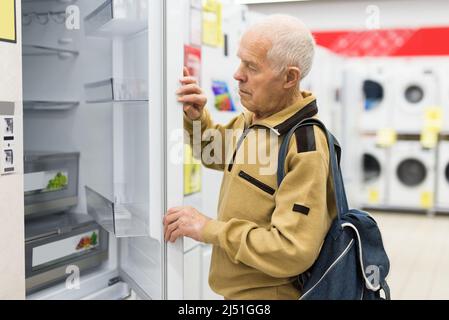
column 260, row 87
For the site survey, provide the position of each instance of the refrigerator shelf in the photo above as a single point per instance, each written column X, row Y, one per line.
column 119, row 219
column 56, row 1
column 49, row 105
column 117, row 18
column 38, row 50
column 116, row 90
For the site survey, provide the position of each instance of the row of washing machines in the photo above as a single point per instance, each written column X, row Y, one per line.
column 407, row 99
column 405, row 175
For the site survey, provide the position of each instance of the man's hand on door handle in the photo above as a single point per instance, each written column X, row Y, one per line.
column 184, row 221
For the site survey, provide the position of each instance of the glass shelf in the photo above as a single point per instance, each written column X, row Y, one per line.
column 38, row 50
column 56, row 1
column 49, row 105
column 120, row 219
column 117, row 90
column 117, row 18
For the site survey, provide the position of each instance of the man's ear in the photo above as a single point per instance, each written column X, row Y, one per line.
column 292, row 77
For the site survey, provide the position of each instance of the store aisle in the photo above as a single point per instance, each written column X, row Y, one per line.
column 418, row 247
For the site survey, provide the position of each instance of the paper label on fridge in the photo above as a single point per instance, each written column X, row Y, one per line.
column 65, row 247
column 7, row 21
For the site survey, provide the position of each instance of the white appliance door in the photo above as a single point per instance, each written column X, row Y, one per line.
column 147, row 172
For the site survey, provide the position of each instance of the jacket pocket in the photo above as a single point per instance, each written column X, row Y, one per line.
column 256, row 182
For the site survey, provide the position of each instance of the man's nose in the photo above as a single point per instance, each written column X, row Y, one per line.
column 239, row 76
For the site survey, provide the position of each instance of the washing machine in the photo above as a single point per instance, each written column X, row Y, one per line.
column 442, row 200
column 444, row 94
column 378, row 99
column 374, row 160
column 411, row 177
column 416, row 92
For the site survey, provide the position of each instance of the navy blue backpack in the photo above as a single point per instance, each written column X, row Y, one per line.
column 352, row 264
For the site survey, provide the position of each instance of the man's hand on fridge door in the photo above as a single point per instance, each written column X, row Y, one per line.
column 191, row 95
column 184, row 221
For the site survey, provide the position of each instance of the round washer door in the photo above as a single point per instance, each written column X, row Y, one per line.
column 411, row 172
column 371, row 168
column 414, row 94
column 446, row 173
column 373, row 92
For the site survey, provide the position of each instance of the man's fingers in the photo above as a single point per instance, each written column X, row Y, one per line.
column 175, row 235
column 170, row 228
column 186, row 72
column 191, row 88
column 170, row 218
column 174, row 209
column 188, row 80
column 197, row 99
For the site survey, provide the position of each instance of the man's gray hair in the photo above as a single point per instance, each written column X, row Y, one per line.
column 292, row 42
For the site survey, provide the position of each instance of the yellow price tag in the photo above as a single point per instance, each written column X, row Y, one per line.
column 192, row 172
column 386, row 137
column 212, row 23
column 7, row 20
column 433, row 118
column 429, row 138
column 426, row 199
column 373, row 196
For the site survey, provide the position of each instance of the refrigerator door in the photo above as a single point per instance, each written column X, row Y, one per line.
column 146, row 65
column 127, row 126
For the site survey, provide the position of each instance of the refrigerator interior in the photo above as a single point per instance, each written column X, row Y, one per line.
column 86, row 90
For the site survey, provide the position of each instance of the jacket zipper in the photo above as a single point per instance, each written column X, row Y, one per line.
column 245, row 132
column 256, row 182
column 239, row 143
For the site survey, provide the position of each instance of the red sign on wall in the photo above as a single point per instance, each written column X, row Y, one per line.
column 386, row 42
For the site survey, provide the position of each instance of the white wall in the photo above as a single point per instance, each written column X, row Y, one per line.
column 12, row 265
column 347, row 14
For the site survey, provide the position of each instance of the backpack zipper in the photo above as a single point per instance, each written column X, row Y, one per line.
column 349, row 246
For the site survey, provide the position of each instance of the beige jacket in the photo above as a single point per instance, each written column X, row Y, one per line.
column 264, row 235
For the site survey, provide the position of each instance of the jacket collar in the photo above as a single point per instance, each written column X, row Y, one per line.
column 282, row 121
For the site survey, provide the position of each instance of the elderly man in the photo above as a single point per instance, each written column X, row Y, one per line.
column 264, row 235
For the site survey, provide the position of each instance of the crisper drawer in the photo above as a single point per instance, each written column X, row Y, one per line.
column 50, row 182
column 57, row 242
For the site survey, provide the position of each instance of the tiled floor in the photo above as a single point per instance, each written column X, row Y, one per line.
column 418, row 248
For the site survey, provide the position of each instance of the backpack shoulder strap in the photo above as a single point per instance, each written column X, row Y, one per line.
column 334, row 159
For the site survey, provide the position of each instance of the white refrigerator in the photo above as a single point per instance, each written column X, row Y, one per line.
column 99, row 81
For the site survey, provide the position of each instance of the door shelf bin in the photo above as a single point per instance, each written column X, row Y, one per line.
column 117, row 18
column 119, row 90
column 39, row 50
column 120, row 219
column 49, row 105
